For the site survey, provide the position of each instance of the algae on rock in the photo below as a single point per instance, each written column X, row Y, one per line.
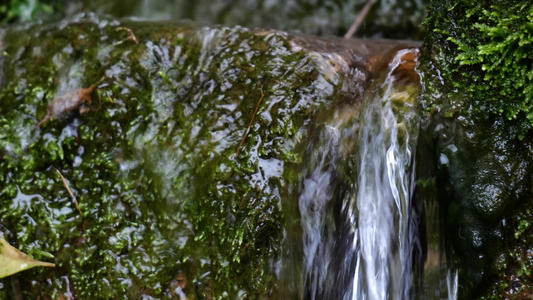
column 154, row 170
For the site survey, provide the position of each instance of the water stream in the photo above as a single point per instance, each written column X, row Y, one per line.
column 314, row 202
column 364, row 248
column 381, row 206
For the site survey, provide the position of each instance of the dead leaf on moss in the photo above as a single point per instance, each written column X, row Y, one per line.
column 71, row 101
column 13, row 261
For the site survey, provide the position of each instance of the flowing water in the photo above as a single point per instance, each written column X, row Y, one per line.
column 381, row 208
column 314, row 203
column 360, row 235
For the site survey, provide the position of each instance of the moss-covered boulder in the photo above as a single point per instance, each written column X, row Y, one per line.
column 477, row 65
column 178, row 143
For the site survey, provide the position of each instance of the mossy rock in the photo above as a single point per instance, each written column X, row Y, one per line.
column 483, row 50
column 476, row 64
column 156, row 163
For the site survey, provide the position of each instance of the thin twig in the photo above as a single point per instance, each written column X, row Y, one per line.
column 15, row 287
column 99, row 101
column 460, row 234
column 359, row 19
column 109, row 97
column 251, row 121
column 69, row 191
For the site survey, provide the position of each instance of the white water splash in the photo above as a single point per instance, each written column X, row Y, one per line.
column 360, row 233
column 315, row 196
column 452, row 284
column 383, row 241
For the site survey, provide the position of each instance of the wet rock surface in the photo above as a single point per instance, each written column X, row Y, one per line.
column 163, row 193
column 155, row 170
column 483, row 173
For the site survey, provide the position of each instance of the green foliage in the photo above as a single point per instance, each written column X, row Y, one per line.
column 485, row 50
column 478, row 77
column 25, row 10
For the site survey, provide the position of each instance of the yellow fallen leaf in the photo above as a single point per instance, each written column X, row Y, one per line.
column 13, row 261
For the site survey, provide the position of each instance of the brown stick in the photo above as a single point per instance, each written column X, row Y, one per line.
column 359, row 19
column 250, row 125
column 15, row 286
column 99, row 102
column 69, row 191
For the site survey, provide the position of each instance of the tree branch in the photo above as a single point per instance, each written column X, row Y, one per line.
column 359, row 19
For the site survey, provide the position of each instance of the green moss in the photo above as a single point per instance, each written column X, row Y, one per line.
column 26, row 10
column 484, row 51
column 516, row 263
column 477, row 75
column 154, row 169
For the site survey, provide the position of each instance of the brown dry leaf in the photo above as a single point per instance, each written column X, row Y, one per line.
column 13, row 261
column 71, row 101
column 131, row 35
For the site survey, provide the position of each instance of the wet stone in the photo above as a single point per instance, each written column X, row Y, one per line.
column 155, row 170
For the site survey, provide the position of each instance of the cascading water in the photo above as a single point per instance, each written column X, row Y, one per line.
column 381, row 207
column 368, row 253
column 313, row 202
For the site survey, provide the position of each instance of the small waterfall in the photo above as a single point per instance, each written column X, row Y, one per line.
column 314, row 202
column 380, row 210
column 367, row 254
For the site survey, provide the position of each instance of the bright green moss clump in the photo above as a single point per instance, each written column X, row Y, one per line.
column 485, row 50
column 26, row 10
